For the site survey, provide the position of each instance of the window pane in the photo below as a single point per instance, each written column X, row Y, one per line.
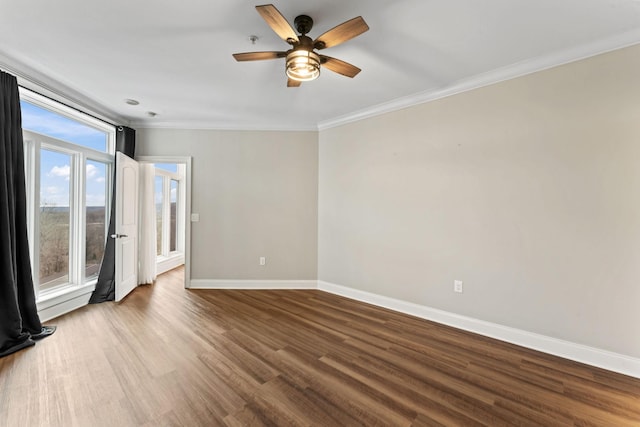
column 96, row 215
column 41, row 120
column 173, row 232
column 159, row 204
column 55, row 217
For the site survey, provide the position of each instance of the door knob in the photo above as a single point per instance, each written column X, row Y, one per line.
column 118, row 236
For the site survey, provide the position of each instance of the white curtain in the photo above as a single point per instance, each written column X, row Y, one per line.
column 147, row 230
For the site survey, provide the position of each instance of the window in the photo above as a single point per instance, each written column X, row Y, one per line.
column 68, row 164
column 159, row 191
column 55, row 219
column 38, row 118
column 169, row 209
column 95, row 215
column 173, row 213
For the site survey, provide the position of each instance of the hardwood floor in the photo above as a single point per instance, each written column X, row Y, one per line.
column 167, row 356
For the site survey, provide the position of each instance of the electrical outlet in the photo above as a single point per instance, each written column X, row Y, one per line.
column 263, row 260
column 457, row 286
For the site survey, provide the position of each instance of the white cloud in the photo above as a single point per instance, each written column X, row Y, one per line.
column 100, row 179
column 61, row 171
column 92, row 171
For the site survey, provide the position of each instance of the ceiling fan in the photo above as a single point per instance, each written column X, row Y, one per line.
column 302, row 60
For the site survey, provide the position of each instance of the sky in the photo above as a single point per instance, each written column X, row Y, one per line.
column 171, row 167
column 55, row 167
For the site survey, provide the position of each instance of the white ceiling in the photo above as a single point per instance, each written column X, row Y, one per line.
column 175, row 56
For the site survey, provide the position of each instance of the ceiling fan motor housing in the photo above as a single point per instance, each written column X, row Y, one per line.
column 303, row 24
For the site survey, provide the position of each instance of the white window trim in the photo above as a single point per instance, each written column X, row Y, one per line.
column 78, row 286
column 166, row 213
column 34, row 142
column 51, row 105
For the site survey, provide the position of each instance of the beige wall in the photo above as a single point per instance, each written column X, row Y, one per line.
column 527, row 190
column 256, row 193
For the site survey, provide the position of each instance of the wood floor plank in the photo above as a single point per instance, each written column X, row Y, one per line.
column 167, row 356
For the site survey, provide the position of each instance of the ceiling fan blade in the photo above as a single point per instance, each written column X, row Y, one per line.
column 277, row 22
column 339, row 66
column 258, row 56
column 340, row 34
column 293, row 83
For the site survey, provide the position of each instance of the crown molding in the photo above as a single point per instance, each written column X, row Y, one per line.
column 238, row 126
column 498, row 75
column 38, row 82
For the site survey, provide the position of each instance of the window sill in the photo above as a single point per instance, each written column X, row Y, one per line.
column 170, row 262
column 63, row 295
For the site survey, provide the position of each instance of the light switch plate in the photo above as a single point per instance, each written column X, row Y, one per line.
column 457, row 286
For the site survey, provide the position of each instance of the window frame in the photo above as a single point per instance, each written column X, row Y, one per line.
column 167, row 177
column 34, row 143
column 108, row 189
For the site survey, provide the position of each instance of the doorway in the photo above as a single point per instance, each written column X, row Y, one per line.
column 172, row 192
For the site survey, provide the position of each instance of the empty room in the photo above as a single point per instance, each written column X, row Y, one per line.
column 377, row 213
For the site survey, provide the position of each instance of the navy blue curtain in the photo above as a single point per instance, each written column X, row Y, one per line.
column 106, row 285
column 18, row 312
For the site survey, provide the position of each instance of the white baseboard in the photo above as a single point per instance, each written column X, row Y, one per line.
column 577, row 352
column 611, row 361
column 253, row 284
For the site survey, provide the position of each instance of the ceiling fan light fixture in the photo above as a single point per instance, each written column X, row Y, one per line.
column 302, row 61
column 303, row 65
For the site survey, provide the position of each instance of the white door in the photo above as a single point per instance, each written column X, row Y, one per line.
column 126, row 225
